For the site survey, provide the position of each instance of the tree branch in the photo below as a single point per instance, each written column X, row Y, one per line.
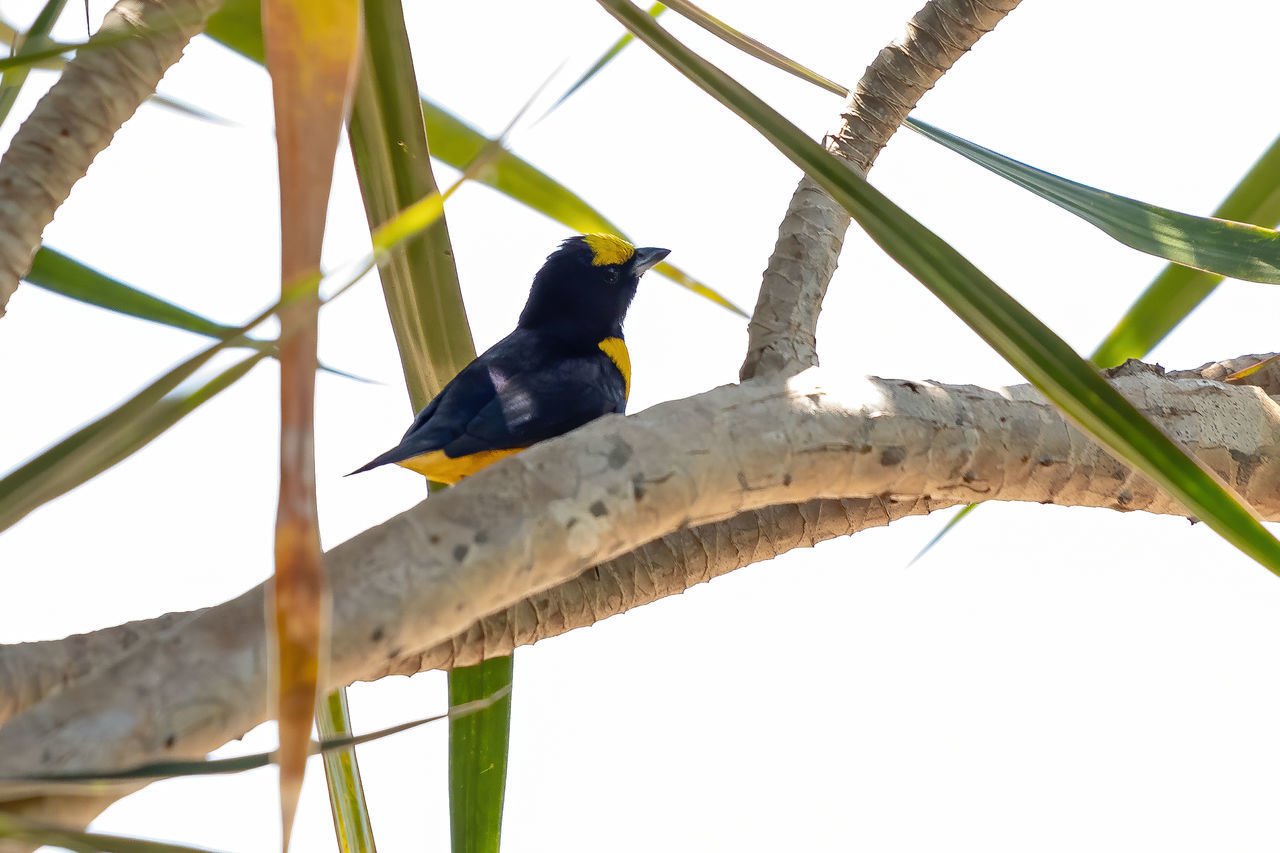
column 95, row 94
column 782, row 329
column 500, row 540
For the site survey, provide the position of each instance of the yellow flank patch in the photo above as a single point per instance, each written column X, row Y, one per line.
column 608, row 249
column 616, row 349
column 442, row 468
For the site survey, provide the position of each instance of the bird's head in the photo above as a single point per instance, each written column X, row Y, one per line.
column 586, row 285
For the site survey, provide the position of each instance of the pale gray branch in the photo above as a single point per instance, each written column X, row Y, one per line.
column 539, row 519
column 782, row 328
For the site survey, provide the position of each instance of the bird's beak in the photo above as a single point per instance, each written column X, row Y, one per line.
column 644, row 259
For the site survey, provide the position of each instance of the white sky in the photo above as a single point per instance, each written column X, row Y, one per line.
column 1048, row 679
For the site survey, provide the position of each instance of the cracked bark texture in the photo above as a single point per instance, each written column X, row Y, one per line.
column 781, row 335
column 95, row 94
column 422, row 578
column 30, row 672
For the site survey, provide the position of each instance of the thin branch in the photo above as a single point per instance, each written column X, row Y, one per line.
column 782, row 329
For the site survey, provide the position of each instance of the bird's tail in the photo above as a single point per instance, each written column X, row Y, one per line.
column 395, row 454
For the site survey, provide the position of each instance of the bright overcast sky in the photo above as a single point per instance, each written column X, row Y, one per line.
column 1046, row 679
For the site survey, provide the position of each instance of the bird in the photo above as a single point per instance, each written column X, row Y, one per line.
column 565, row 365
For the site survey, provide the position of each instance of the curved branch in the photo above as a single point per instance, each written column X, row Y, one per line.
column 782, row 329
column 29, row 672
column 542, row 517
column 96, row 93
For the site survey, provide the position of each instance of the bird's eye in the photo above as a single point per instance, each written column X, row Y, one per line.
column 611, row 275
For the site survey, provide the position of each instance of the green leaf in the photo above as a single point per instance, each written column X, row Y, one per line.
column 88, row 781
column 98, row 446
column 389, row 143
column 43, row 49
column 751, row 47
column 655, row 10
column 1232, row 249
column 238, row 25
column 1177, row 290
column 389, row 140
column 58, row 273
column 35, row 36
column 351, row 821
column 89, row 451
column 189, row 110
column 456, row 143
column 1062, row 376
column 40, row 834
column 955, row 519
column 478, row 748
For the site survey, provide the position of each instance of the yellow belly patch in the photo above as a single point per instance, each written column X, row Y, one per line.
column 442, row 468
column 616, row 349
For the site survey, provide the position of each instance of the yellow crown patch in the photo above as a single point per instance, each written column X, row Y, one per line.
column 607, row 249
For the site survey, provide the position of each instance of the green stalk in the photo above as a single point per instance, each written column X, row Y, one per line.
column 424, row 300
column 342, row 774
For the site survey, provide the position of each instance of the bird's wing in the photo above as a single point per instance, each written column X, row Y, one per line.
column 518, row 392
column 537, row 403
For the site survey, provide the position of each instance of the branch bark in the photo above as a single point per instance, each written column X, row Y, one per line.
column 434, row 575
column 95, row 94
column 781, row 335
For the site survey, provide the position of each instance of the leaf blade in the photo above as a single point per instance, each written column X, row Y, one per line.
column 1061, row 375
column 58, row 273
column 1224, row 247
column 84, row 842
column 312, row 50
column 14, row 78
column 351, row 821
column 1177, row 290
column 596, row 67
column 456, row 143
column 111, row 438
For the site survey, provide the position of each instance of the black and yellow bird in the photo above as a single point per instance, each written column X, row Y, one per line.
column 565, row 364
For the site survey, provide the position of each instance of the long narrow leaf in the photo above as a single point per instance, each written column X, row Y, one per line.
column 312, row 52
column 58, row 273
column 44, row 50
column 1177, row 290
column 389, row 139
column 456, row 143
column 1232, row 249
column 351, row 822
column 41, row 834
column 596, row 67
column 1062, row 376
column 9, row 34
column 478, row 749
column 1167, row 300
column 94, row 448
column 89, row 781
column 751, row 47
column 14, row 78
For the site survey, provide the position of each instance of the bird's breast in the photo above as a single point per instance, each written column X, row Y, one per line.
column 616, row 349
